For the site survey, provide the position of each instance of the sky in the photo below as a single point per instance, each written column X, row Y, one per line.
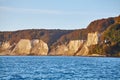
column 54, row 14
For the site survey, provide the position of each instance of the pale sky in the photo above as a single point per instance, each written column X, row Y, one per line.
column 54, row 14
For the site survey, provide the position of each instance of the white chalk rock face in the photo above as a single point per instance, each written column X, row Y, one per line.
column 23, row 47
column 76, row 47
column 68, row 49
column 59, row 50
column 5, row 45
column 93, row 39
column 83, row 52
column 73, row 46
column 39, row 47
column 4, row 48
column 34, row 42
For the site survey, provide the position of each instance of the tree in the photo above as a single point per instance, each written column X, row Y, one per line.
column 113, row 35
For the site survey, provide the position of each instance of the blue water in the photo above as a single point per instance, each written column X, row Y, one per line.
column 59, row 68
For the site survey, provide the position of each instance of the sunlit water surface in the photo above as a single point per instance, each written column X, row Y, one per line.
column 59, row 68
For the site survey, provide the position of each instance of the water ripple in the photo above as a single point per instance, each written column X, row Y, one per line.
column 59, row 68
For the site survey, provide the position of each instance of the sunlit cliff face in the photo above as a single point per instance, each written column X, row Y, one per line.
column 92, row 38
column 31, row 47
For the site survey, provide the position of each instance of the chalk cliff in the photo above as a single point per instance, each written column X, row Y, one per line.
column 67, row 48
column 92, row 39
column 4, row 48
column 76, row 47
column 23, row 47
column 5, row 45
column 39, row 47
column 30, row 47
column 54, row 42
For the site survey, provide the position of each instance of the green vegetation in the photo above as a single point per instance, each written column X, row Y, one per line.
column 112, row 46
column 96, row 49
column 113, row 33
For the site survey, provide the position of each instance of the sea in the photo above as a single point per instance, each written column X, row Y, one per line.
column 59, row 68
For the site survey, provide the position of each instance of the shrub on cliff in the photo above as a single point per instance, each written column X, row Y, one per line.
column 112, row 46
column 113, row 35
column 96, row 49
